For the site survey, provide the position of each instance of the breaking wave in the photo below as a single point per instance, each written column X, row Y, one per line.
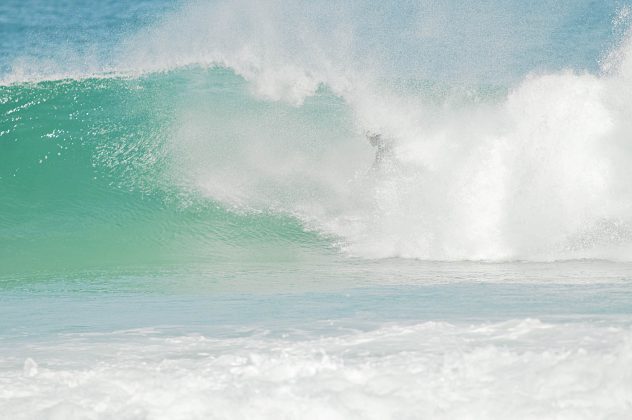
column 196, row 135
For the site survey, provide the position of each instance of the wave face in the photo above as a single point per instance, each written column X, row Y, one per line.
column 90, row 176
column 208, row 136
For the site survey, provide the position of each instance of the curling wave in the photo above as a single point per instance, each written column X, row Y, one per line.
column 272, row 122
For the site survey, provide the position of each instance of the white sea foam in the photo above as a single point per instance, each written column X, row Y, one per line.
column 539, row 175
column 522, row 369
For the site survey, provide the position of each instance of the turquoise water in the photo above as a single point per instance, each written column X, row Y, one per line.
column 194, row 225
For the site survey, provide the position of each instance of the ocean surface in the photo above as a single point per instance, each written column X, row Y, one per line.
column 195, row 224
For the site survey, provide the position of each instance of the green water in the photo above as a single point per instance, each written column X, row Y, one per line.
column 87, row 182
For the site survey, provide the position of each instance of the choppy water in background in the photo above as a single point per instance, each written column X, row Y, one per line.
column 194, row 225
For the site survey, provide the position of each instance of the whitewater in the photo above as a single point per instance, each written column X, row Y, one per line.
column 233, row 209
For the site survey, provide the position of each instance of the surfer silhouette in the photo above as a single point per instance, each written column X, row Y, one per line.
column 383, row 149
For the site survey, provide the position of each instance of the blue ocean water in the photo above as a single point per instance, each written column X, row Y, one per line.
column 229, row 209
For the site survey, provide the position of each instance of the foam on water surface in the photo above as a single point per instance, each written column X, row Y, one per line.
column 524, row 369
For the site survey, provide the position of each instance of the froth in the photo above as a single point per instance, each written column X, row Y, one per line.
column 523, row 368
column 537, row 175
